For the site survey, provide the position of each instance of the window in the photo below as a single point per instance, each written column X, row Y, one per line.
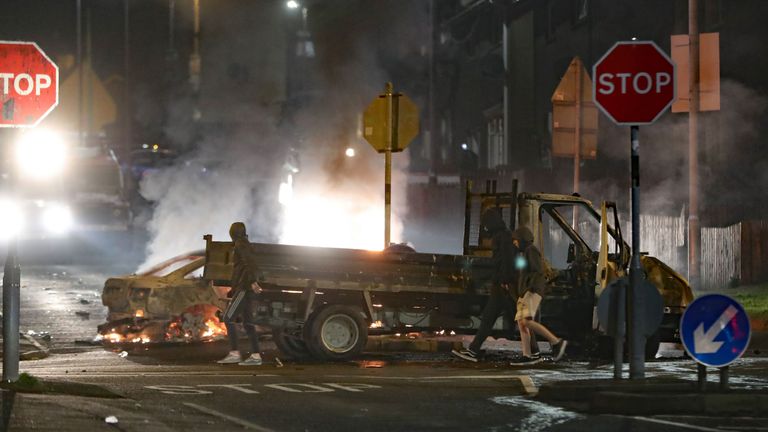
column 580, row 11
column 497, row 150
column 713, row 14
column 551, row 21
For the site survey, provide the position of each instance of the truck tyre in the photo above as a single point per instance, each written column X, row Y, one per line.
column 291, row 346
column 336, row 332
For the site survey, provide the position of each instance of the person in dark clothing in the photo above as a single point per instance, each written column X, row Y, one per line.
column 243, row 281
column 531, row 282
column 503, row 280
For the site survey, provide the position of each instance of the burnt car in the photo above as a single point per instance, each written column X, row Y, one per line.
column 168, row 302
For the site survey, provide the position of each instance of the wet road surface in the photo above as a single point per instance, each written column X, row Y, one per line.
column 179, row 387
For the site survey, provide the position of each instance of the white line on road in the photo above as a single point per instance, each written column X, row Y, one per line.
column 525, row 380
column 239, row 421
column 671, row 423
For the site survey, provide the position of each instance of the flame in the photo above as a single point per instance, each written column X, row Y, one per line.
column 377, row 324
column 198, row 323
column 113, row 337
column 215, row 328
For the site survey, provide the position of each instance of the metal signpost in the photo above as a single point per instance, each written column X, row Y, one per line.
column 634, row 85
column 29, row 91
column 715, row 331
column 390, row 123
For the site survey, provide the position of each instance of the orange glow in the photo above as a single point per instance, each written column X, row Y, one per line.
column 139, row 313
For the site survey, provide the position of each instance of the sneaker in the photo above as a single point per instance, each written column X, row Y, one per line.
column 558, row 350
column 253, row 360
column 466, row 354
column 526, row 361
column 536, row 355
column 231, row 358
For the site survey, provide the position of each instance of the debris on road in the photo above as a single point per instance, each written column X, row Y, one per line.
column 83, row 314
column 111, row 420
column 84, row 301
column 278, row 362
column 123, row 354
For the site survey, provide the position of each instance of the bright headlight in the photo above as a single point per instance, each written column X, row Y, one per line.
column 41, row 155
column 11, row 219
column 57, row 219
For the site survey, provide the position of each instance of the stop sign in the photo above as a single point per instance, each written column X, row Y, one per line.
column 29, row 84
column 634, row 83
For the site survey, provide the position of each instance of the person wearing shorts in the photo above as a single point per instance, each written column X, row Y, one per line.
column 531, row 283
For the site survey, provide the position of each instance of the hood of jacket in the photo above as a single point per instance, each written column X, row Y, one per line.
column 492, row 221
column 237, row 231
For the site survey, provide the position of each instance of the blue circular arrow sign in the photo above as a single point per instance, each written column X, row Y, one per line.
column 715, row 330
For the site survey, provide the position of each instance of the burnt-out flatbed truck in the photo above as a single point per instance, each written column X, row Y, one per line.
column 325, row 302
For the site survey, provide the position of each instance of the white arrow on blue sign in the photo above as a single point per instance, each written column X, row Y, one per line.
column 715, row 330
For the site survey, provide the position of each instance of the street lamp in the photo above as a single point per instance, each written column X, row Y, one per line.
column 292, row 4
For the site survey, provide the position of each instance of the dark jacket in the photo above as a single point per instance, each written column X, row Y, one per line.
column 243, row 273
column 504, row 251
column 531, row 276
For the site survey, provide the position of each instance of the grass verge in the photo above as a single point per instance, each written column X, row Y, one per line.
column 30, row 384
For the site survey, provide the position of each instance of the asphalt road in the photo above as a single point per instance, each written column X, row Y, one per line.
column 181, row 388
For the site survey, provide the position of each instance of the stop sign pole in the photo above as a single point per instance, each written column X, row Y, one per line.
column 634, row 85
column 29, row 91
column 390, row 122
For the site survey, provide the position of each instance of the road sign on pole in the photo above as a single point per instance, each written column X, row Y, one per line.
column 715, row 330
column 29, row 84
column 635, row 83
column 390, row 123
column 29, row 91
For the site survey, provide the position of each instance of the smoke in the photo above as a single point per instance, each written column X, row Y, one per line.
column 226, row 179
column 728, row 151
column 237, row 172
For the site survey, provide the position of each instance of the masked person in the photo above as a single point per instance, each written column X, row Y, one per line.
column 530, row 287
column 503, row 280
column 243, row 292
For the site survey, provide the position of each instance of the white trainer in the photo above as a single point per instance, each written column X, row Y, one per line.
column 231, row 358
column 253, row 360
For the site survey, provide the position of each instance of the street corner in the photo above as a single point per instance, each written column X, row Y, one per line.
column 30, row 384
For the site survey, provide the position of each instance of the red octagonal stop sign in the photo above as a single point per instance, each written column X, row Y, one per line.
column 29, row 84
column 634, row 83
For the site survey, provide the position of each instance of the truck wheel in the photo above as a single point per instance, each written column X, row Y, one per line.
column 336, row 332
column 291, row 346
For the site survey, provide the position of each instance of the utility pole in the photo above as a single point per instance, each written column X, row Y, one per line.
column 127, row 106
column 79, row 54
column 694, row 227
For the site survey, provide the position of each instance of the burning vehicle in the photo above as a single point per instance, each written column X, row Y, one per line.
column 166, row 303
column 325, row 302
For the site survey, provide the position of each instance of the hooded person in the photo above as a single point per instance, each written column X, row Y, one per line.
column 242, row 294
column 531, row 283
column 502, row 279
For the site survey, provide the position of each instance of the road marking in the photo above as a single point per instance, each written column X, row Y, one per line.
column 352, row 387
column 525, row 380
column 178, row 389
column 237, row 387
column 671, row 423
column 235, row 420
column 288, row 387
